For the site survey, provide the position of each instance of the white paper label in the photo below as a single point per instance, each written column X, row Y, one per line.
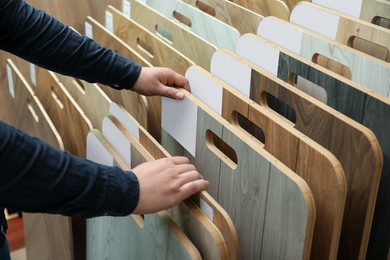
column 33, row 74
column 10, row 81
column 88, row 30
column 126, row 8
column 109, row 22
column 179, row 118
column 97, row 152
column 125, row 119
column 208, row 211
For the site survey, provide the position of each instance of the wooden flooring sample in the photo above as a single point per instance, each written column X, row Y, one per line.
column 63, row 111
column 123, row 237
column 354, row 65
column 358, row 34
column 241, row 18
column 182, row 39
column 251, row 185
column 211, row 29
column 367, row 10
column 266, row 8
column 141, row 107
column 33, row 120
column 357, row 224
column 316, row 165
column 203, row 200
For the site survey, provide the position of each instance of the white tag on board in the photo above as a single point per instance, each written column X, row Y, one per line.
column 33, row 74
column 109, row 22
column 126, row 8
column 88, row 30
column 10, row 81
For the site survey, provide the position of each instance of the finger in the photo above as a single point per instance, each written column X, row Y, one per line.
column 180, row 160
column 178, row 80
column 187, row 177
column 193, row 187
column 183, row 168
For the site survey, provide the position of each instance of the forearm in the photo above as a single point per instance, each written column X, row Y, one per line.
column 35, row 177
column 39, row 38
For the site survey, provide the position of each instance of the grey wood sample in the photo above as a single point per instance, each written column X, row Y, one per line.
column 242, row 187
column 154, row 237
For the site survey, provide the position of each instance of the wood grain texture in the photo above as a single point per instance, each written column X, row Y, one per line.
column 180, row 38
column 141, row 107
column 122, row 237
column 363, row 69
column 363, row 36
column 276, row 8
column 63, row 111
column 241, row 18
column 316, row 165
column 358, row 211
column 149, row 46
column 220, row 218
column 205, row 236
column 242, row 190
column 90, row 97
column 211, row 29
column 39, row 229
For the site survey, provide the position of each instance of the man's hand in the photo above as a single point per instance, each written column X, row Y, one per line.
column 160, row 81
column 166, row 182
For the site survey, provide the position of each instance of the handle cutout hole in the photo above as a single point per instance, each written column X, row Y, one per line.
column 142, row 45
column 164, row 34
column 221, row 149
column 279, row 107
column 206, row 8
column 56, row 98
column 332, row 65
column 381, row 21
column 182, row 19
column 249, row 127
column 309, row 88
column 139, row 219
column 32, row 111
column 369, row 48
column 80, row 85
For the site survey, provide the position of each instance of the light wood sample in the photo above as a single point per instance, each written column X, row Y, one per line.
column 265, row 8
column 211, row 29
column 188, row 43
column 363, row 36
column 357, row 66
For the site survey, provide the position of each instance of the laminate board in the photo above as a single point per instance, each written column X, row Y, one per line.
column 152, row 48
column 123, row 237
column 276, row 8
column 34, row 121
column 211, row 29
column 187, row 215
column 361, row 68
column 348, row 99
column 243, row 19
column 363, row 36
column 367, row 10
column 316, row 165
column 180, row 38
column 203, row 200
column 242, row 184
column 63, row 111
column 89, row 96
column 141, row 107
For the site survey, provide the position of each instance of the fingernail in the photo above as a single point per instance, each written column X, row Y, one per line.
column 179, row 95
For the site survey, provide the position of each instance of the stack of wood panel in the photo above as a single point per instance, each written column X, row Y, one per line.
column 287, row 118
